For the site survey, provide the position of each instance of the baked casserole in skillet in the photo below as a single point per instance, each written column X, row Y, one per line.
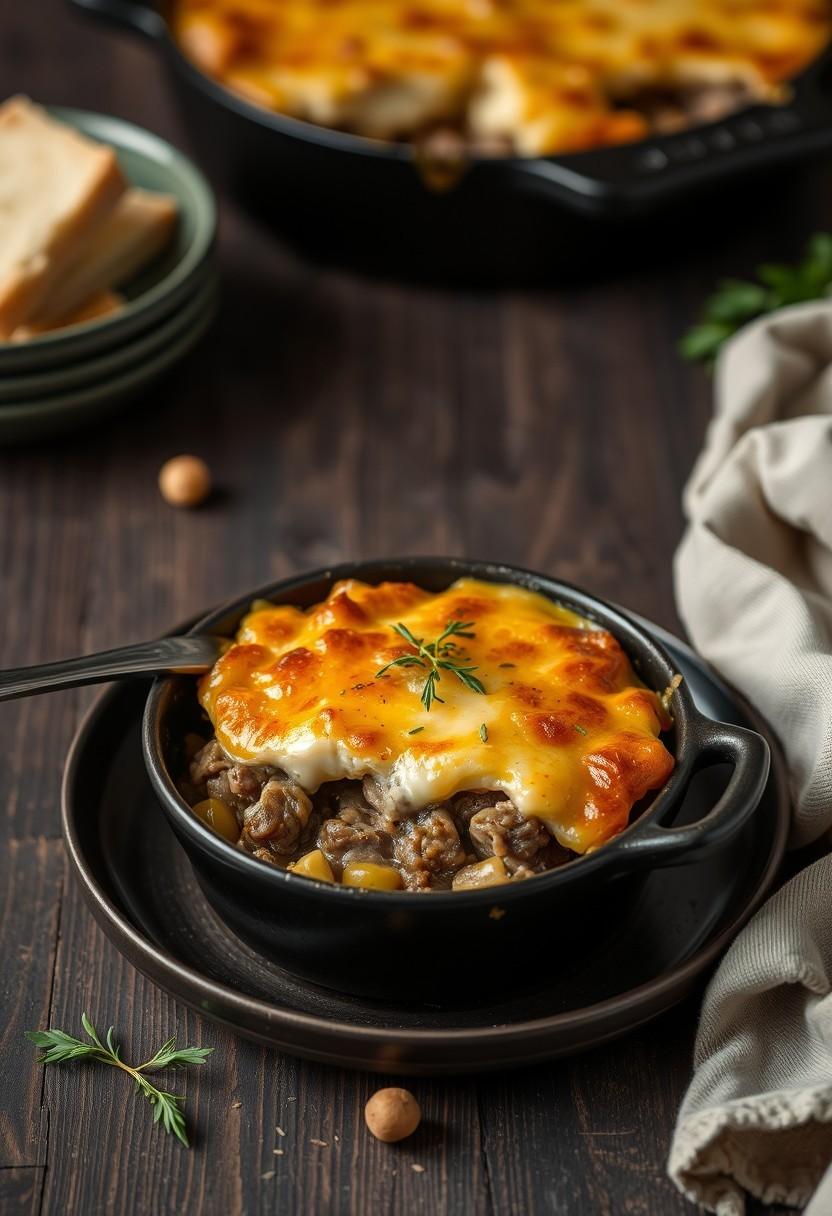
column 520, row 77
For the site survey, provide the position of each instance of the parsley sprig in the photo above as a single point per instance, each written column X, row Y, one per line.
column 738, row 301
column 436, row 657
column 60, row 1047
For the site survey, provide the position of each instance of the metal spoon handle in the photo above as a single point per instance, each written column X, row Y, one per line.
column 188, row 654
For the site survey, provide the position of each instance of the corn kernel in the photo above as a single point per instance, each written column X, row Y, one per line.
column 219, row 817
column 369, row 874
column 488, row 873
column 313, row 865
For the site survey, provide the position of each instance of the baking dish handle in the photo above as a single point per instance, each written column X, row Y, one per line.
column 132, row 15
column 713, row 743
column 633, row 178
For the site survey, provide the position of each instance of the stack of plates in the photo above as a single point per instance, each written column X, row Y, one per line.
column 61, row 380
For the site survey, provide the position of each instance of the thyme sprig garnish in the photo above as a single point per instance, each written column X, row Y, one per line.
column 61, row 1047
column 435, row 657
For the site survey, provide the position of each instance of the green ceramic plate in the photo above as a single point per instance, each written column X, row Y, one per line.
column 150, row 162
column 88, row 373
column 66, row 411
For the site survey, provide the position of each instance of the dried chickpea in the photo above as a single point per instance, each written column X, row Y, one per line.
column 392, row 1114
column 185, row 481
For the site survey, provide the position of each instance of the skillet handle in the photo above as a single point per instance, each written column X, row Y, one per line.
column 635, row 178
column 133, row 15
column 715, row 743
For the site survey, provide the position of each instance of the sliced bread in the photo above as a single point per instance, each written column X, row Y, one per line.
column 56, row 186
column 135, row 232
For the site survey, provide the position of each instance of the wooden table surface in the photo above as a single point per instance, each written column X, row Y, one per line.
column 342, row 418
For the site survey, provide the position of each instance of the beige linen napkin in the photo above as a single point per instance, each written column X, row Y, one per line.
column 754, row 588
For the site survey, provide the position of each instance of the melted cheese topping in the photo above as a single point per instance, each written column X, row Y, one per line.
column 543, row 76
column 564, row 728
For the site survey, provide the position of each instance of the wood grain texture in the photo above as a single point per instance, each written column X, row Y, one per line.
column 20, row 1189
column 30, row 906
column 342, row 418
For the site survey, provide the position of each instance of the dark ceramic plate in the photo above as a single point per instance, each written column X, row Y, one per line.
column 141, row 889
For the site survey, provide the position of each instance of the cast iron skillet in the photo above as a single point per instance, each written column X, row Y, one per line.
column 365, row 202
column 439, row 946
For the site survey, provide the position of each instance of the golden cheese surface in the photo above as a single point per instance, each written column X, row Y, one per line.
column 542, row 76
column 564, row 727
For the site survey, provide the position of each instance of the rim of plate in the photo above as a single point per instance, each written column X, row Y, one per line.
column 101, row 365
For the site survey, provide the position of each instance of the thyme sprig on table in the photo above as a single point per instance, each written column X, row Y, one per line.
column 737, row 301
column 60, row 1047
column 436, row 657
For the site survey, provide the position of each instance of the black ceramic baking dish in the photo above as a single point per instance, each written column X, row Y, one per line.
column 441, row 946
column 509, row 219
